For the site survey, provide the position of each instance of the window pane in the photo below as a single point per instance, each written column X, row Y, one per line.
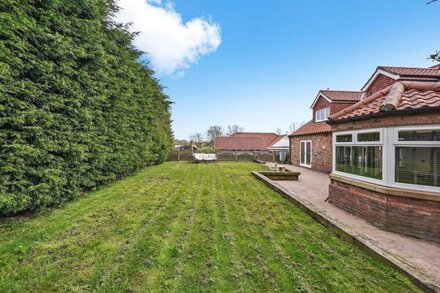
column 360, row 160
column 343, row 159
column 418, row 165
column 344, row 138
column 322, row 114
column 302, row 152
column 369, row 136
column 308, row 153
column 419, row 135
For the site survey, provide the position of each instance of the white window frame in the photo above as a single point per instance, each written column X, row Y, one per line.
column 305, row 155
column 355, row 142
column 394, row 134
column 389, row 140
column 343, row 133
column 319, row 113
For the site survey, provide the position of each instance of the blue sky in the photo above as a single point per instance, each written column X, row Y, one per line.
column 275, row 56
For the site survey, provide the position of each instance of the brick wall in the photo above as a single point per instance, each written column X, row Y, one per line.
column 414, row 217
column 321, row 151
column 379, row 83
column 398, row 120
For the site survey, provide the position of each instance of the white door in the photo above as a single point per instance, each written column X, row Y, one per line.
column 306, row 153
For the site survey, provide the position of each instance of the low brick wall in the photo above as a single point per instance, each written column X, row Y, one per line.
column 410, row 216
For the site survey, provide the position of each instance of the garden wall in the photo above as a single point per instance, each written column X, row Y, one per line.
column 415, row 217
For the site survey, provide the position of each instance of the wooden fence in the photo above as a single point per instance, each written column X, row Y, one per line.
column 267, row 156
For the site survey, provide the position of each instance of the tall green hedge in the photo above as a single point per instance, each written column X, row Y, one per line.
column 77, row 109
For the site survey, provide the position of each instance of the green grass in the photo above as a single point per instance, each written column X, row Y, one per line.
column 184, row 227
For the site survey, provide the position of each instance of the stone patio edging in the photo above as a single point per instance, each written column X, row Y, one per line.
column 372, row 248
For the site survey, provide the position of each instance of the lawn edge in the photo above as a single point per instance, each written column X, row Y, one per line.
column 419, row 279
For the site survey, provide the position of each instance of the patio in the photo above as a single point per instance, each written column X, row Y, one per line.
column 417, row 258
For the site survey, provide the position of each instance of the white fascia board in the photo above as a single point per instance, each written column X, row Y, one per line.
column 317, row 98
column 376, row 74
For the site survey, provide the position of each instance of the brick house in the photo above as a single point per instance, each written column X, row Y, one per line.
column 246, row 145
column 386, row 157
column 311, row 144
column 246, row 141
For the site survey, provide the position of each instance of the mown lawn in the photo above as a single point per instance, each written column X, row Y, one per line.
column 184, row 227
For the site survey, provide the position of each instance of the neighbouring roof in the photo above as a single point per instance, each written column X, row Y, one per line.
column 405, row 73
column 268, row 137
column 401, row 97
column 281, row 143
column 338, row 96
column 246, row 141
column 312, row 128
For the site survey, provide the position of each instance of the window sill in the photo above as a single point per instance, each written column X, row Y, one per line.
column 388, row 190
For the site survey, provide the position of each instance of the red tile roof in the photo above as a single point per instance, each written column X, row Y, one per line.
column 246, row 141
column 412, row 71
column 338, row 96
column 268, row 137
column 342, row 96
column 312, row 128
column 401, row 96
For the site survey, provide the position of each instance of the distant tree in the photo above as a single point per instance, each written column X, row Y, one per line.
column 213, row 132
column 279, row 131
column 435, row 56
column 233, row 129
column 180, row 142
column 197, row 137
column 295, row 126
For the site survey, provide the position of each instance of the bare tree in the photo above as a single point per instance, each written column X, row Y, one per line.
column 233, row 129
column 279, row 131
column 197, row 137
column 295, row 126
column 213, row 132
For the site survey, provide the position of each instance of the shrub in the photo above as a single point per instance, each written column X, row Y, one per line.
column 77, row 109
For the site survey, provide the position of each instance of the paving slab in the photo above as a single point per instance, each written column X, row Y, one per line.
column 419, row 259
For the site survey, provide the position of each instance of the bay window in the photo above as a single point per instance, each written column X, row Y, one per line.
column 405, row 157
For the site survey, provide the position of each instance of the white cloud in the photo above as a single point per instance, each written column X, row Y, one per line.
column 171, row 44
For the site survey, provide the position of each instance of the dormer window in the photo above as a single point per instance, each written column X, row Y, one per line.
column 322, row 114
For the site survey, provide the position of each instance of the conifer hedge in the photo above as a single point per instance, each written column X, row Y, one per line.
column 77, row 109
